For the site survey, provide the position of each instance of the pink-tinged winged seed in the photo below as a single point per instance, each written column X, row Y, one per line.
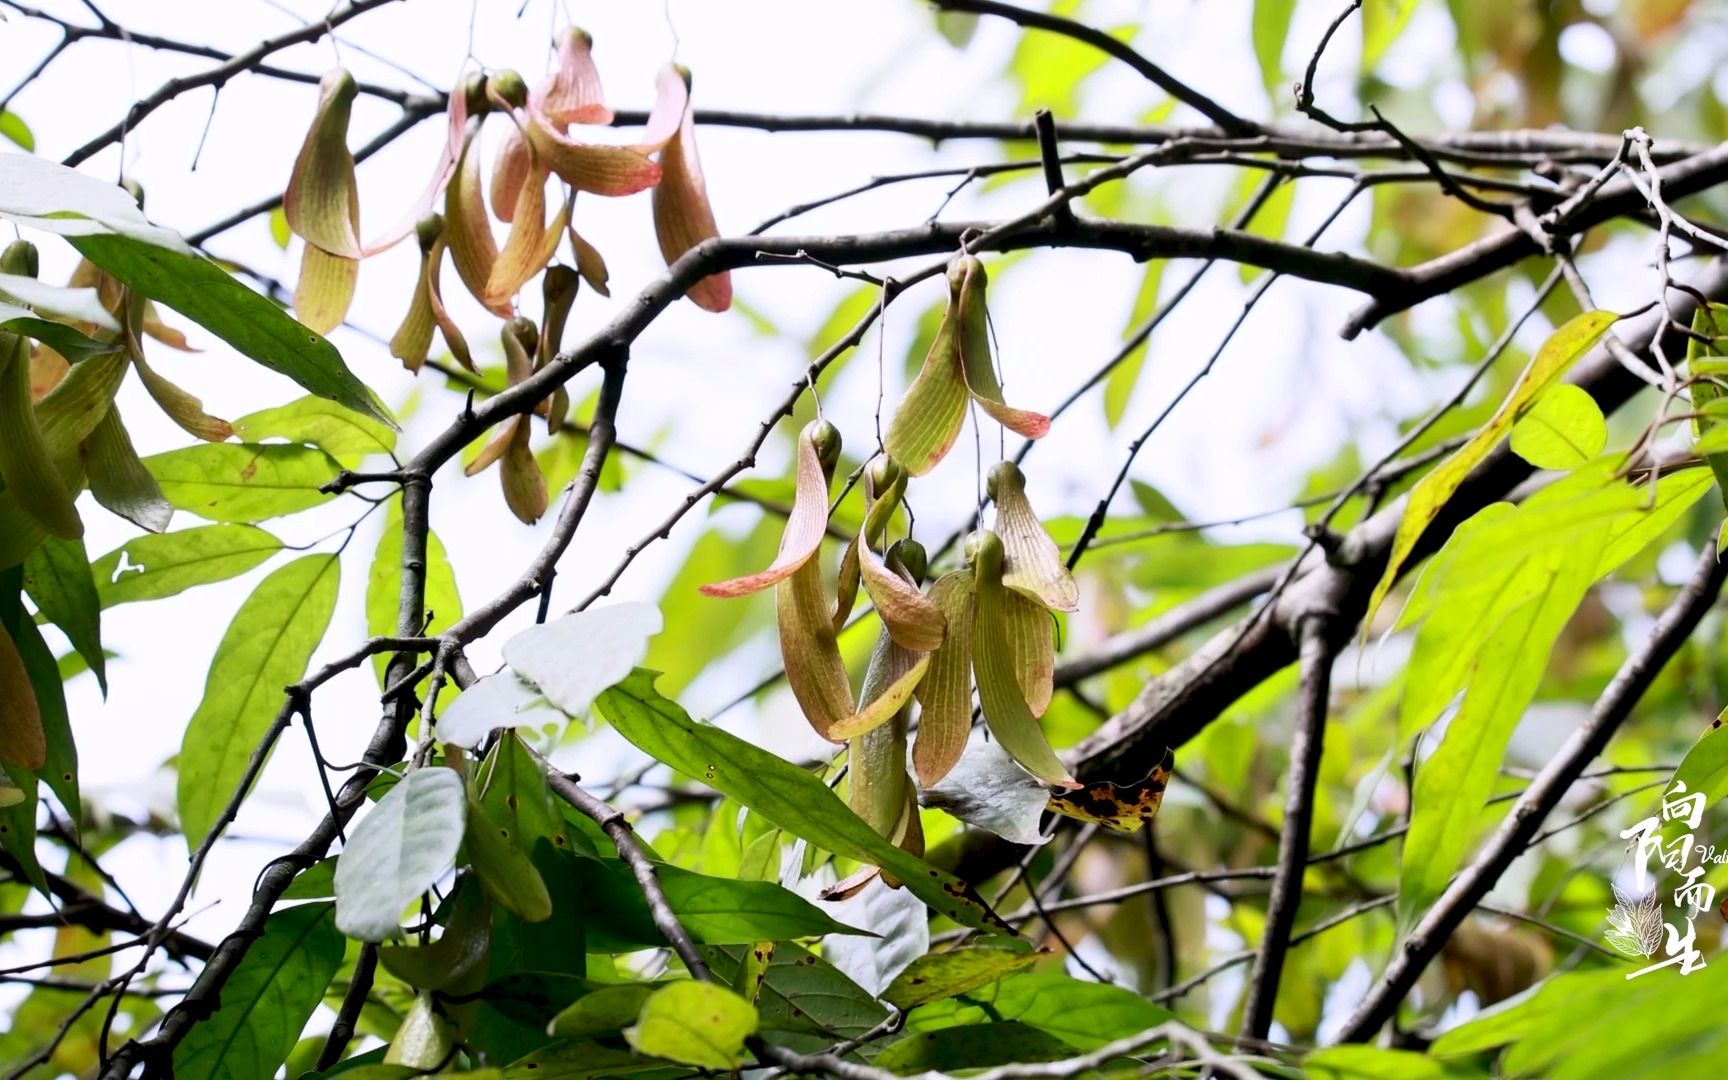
column 805, row 527
column 322, row 201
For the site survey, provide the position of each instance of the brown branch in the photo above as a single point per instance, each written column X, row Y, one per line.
column 220, row 74
column 629, row 848
column 1103, row 42
column 1293, row 840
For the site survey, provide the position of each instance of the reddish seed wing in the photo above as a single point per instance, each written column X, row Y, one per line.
column 683, row 216
column 572, row 95
column 975, row 362
column 805, row 527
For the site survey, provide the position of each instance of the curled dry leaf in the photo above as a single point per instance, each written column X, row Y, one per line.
column 683, row 216
column 1032, row 564
column 958, row 368
column 1119, row 807
column 995, row 667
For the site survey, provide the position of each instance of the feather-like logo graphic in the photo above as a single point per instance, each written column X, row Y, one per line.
column 1635, row 923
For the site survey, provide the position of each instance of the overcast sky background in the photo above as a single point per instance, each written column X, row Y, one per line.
column 1284, row 394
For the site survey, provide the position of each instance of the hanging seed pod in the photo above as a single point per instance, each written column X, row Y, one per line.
column 957, row 369
column 524, row 483
column 808, row 646
column 683, row 217
column 531, row 242
column 818, row 450
column 467, row 229
column 322, row 207
column 997, row 656
column 412, row 342
column 901, row 668
column 602, row 168
column 322, row 201
column 558, row 287
column 1032, row 564
column 884, row 487
column 945, row 695
column 881, row 792
column 434, row 265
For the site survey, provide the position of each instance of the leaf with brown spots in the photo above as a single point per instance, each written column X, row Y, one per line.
column 1118, row 807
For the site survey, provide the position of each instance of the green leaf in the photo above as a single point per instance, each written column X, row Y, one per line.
column 695, row 1023
column 1382, row 23
column 939, row 975
column 779, row 791
column 15, row 129
column 1707, row 390
column 502, row 867
column 279, row 231
column 1271, row 29
column 406, row 843
column 60, row 770
column 265, row 648
column 57, row 576
column 443, row 602
column 715, row 910
column 579, row 1059
column 456, row 962
column 153, row 567
column 1562, row 430
column 243, row 482
column 267, row 1000
column 105, row 225
column 316, row 882
column 344, row 434
column 1371, row 1063
column 606, row 1011
column 1430, row 495
column 799, row 992
column 971, row 1046
column 63, row 339
column 1458, row 778
column 1119, row 384
column 1085, row 1015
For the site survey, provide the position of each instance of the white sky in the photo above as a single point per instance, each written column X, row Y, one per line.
column 1284, row 394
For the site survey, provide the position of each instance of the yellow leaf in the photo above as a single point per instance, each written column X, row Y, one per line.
column 1429, row 497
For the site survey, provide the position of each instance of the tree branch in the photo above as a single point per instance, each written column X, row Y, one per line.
column 1293, row 840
